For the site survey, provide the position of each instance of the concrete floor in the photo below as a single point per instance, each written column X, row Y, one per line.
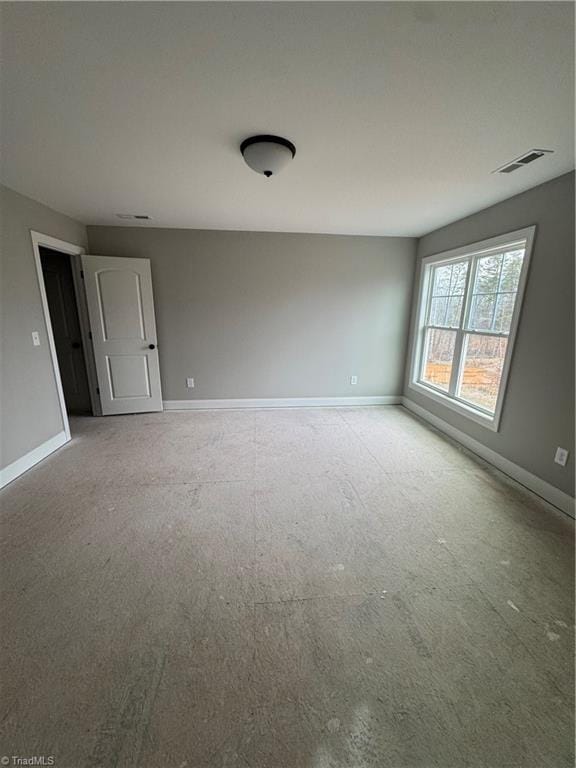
column 299, row 588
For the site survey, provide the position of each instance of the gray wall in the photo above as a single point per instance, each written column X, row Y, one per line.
column 287, row 315
column 538, row 413
column 29, row 407
column 256, row 314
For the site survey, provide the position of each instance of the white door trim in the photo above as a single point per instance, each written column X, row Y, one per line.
column 39, row 239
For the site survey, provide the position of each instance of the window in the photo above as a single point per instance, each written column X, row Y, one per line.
column 467, row 318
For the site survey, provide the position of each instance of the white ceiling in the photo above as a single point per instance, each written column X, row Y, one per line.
column 399, row 111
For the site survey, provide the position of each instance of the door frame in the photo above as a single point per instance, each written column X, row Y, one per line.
column 75, row 252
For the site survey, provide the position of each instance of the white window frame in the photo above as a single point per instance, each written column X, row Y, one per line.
column 470, row 253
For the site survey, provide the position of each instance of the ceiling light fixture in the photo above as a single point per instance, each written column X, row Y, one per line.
column 267, row 154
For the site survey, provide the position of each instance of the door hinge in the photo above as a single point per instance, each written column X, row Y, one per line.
column 82, row 274
column 97, row 390
column 90, row 334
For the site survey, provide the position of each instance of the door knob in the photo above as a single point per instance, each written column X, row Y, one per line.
column 151, row 346
column 76, row 345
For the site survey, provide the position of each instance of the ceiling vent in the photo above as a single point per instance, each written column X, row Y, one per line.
column 133, row 216
column 525, row 159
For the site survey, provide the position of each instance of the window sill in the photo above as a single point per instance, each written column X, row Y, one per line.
column 489, row 422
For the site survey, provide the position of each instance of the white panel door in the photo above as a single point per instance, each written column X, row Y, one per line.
column 121, row 310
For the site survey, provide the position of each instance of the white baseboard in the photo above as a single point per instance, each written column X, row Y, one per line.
column 540, row 487
column 280, row 402
column 21, row 465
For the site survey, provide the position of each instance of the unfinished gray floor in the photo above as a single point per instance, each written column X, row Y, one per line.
column 310, row 588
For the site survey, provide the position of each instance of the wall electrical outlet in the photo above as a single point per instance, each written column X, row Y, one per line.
column 353, row 379
column 190, row 383
column 36, row 338
column 561, row 456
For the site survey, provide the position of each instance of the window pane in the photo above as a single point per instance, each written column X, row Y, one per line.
column 494, row 292
column 448, row 285
column 442, row 277
column 482, row 370
column 453, row 311
column 503, row 314
column 459, row 272
column 488, row 274
column 450, row 279
column 438, row 311
column 438, row 357
column 481, row 312
column 511, row 269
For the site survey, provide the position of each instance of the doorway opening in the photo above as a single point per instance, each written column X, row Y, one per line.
column 65, row 321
